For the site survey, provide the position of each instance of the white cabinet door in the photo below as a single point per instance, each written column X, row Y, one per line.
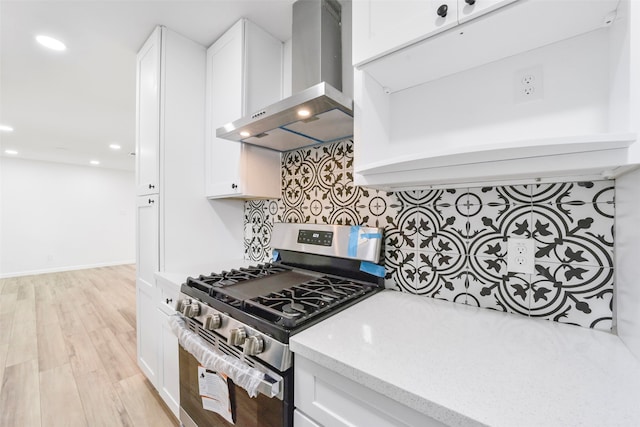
column 470, row 9
column 148, row 115
column 147, row 251
column 169, row 378
column 225, row 100
column 147, row 331
column 301, row 420
column 147, row 259
column 243, row 74
column 329, row 399
column 383, row 26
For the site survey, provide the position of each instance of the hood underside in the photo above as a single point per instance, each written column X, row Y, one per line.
column 280, row 126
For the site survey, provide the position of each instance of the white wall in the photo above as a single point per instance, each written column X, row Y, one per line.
column 56, row 217
column 628, row 260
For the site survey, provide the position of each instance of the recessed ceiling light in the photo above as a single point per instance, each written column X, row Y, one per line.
column 304, row 113
column 51, row 43
column 12, row 152
column 115, row 146
column 5, row 128
column 244, row 134
column 94, row 162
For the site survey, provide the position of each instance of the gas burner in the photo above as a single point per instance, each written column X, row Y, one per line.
column 293, row 308
column 307, row 299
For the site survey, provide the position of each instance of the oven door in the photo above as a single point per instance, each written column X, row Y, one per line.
column 271, row 407
column 260, row 411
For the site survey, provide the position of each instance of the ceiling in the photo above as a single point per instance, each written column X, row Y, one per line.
column 69, row 106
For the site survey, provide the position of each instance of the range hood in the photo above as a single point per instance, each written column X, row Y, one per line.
column 317, row 112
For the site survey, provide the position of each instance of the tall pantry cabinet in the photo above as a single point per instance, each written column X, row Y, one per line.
column 169, row 178
column 147, row 190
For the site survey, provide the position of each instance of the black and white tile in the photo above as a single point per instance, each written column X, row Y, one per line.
column 259, row 217
column 573, row 294
column 452, row 244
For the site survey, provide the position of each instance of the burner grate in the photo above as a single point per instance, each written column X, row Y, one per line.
column 297, row 304
column 208, row 283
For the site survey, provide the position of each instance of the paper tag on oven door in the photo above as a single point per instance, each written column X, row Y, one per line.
column 214, row 392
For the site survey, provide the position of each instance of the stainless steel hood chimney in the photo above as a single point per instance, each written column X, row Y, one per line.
column 317, row 112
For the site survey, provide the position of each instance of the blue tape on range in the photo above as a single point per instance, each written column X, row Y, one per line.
column 352, row 250
column 371, row 236
column 354, row 235
column 371, row 268
column 276, row 255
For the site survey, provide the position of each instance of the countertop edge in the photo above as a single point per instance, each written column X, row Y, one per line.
column 427, row 407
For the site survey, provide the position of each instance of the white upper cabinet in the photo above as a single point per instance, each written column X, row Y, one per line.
column 470, row 9
column 244, row 73
column 148, row 112
column 382, row 26
column 473, row 35
column 533, row 91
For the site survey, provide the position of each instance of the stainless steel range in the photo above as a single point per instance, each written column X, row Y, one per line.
column 237, row 323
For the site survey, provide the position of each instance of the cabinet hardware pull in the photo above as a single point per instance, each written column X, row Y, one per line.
column 442, row 10
column 152, row 186
column 470, row 2
column 169, row 300
column 234, row 186
column 151, row 201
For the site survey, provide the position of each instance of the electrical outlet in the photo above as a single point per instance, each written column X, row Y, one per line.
column 520, row 255
column 528, row 85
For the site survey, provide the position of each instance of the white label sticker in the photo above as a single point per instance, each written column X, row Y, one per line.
column 215, row 393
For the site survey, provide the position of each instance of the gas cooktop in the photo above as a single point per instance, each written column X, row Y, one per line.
column 276, row 293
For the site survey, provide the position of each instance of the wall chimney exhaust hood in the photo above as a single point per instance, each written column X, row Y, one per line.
column 317, row 112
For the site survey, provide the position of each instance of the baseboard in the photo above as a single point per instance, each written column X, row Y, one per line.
column 68, row 268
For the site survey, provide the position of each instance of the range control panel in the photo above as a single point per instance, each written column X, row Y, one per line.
column 341, row 241
column 315, row 237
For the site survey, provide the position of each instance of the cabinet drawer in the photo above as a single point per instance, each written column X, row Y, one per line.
column 168, row 297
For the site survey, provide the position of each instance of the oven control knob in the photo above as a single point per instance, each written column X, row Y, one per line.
column 191, row 310
column 236, row 336
column 212, row 321
column 253, row 345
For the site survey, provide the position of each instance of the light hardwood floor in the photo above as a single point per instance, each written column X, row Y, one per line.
column 68, row 352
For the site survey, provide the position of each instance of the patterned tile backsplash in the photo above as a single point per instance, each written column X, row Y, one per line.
column 451, row 244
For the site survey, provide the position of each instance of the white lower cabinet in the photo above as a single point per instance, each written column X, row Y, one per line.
column 325, row 398
column 146, row 292
column 168, row 372
column 146, row 331
column 301, row 420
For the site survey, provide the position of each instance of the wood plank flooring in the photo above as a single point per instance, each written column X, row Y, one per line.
column 68, row 352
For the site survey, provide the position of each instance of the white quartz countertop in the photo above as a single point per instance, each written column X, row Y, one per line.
column 177, row 278
column 468, row 366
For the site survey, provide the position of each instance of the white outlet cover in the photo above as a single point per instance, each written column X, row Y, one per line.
column 528, row 84
column 520, row 255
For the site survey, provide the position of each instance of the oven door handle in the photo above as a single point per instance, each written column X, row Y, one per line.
column 252, row 380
